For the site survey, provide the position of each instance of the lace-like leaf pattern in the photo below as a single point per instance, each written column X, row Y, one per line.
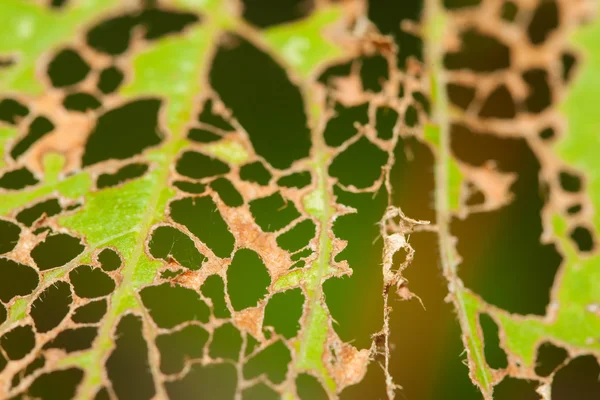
column 192, row 193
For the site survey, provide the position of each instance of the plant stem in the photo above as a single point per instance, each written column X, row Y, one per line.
column 434, row 33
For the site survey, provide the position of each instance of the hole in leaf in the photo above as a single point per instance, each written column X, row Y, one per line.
column 227, row 192
column 251, row 345
column 167, row 242
column 128, row 362
column 283, row 312
column 385, row 121
column 38, row 128
column 6, row 61
column 109, row 260
column 413, row 190
column 568, row 61
column 299, row 264
column 72, row 207
column 295, row 180
column 361, row 231
column 412, row 173
column 530, row 276
column 499, row 104
column 216, row 381
column 411, row 116
column 82, row 102
column 202, row 135
column 399, row 258
column 90, row 313
column 16, row 279
column 197, row 165
column 91, row 282
column 17, row 179
column 335, row 71
column 371, row 386
column 214, row 289
column 341, row 126
column 479, row 53
column 159, row 23
column 190, row 187
column 476, row 197
column 46, row 208
column 102, row 394
column 56, row 385
column 209, row 117
column 12, row 111
column 273, row 12
column 459, row 95
column 547, row 134
column 171, row 274
column 374, row 72
column 110, row 79
column 67, row 68
column 124, row 174
column 226, row 343
column 363, row 174
column 540, row 94
column 264, row 101
column 400, row 90
column 272, row 361
column 580, row 376
column 177, row 347
column 494, row 354
column 301, row 254
column 51, row 306
column 512, row 388
column 309, row 388
column 201, row 216
column 247, row 279
column 297, row 237
column 18, row 342
column 260, row 391
column 509, row 11
column 583, row 238
column 71, row 340
column 423, row 101
column 112, row 36
column 9, row 236
column 574, row 209
column 171, row 305
column 273, row 212
column 134, row 126
column 543, row 22
column 388, row 18
column 549, row 357
column 255, row 172
column 570, row 182
column 458, row 4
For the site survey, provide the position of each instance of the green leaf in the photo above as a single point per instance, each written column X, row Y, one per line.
column 257, row 257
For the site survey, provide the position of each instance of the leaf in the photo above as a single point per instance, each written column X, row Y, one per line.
column 201, row 198
column 569, row 321
column 137, row 290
